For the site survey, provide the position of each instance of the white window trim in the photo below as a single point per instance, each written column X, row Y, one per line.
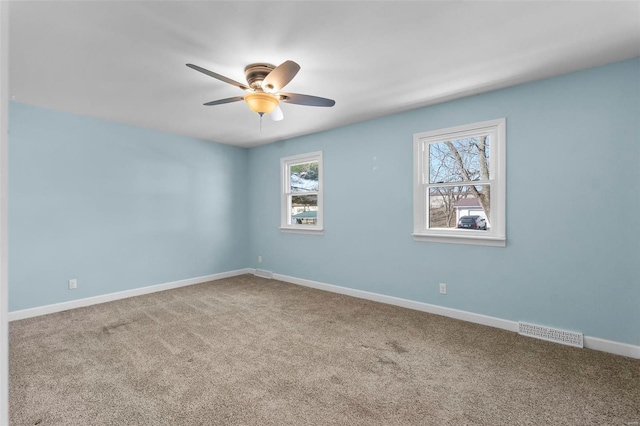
column 496, row 236
column 285, row 163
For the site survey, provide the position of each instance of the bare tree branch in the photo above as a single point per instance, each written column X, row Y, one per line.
column 482, row 195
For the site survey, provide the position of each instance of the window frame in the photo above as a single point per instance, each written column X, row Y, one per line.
column 496, row 235
column 285, row 193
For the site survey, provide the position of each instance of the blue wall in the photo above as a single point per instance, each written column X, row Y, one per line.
column 573, row 195
column 117, row 207
column 120, row 207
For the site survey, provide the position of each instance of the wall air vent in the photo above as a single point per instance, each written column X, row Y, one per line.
column 262, row 273
column 551, row 334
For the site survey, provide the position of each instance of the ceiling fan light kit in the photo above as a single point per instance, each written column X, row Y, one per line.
column 264, row 83
column 260, row 102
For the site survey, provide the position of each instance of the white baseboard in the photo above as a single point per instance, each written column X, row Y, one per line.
column 405, row 303
column 612, row 347
column 594, row 343
column 72, row 304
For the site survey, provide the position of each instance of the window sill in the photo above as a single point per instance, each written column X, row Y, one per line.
column 300, row 230
column 476, row 240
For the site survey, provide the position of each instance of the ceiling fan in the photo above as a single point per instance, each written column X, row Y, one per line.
column 263, row 89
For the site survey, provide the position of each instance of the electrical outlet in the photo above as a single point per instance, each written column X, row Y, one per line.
column 73, row 284
column 259, row 259
column 443, row 288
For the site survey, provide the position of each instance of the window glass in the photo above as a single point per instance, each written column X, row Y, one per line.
column 447, row 204
column 304, row 177
column 459, row 160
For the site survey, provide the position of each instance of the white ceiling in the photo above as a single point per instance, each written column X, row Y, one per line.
column 125, row 61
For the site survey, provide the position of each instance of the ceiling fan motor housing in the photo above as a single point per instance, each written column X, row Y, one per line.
column 256, row 73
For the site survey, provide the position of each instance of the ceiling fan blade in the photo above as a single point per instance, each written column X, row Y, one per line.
column 276, row 114
column 218, row 76
column 296, row 98
column 280, row 76
column 225, row 100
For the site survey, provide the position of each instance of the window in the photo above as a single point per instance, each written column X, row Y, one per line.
column 459, row 184
column 302, row 193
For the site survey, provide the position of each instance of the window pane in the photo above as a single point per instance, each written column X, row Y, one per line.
column 459, row 160
column 463, row 207
column 304, row 177
column 304, row 209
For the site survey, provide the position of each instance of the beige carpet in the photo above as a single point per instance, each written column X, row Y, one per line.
column 250, row 351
